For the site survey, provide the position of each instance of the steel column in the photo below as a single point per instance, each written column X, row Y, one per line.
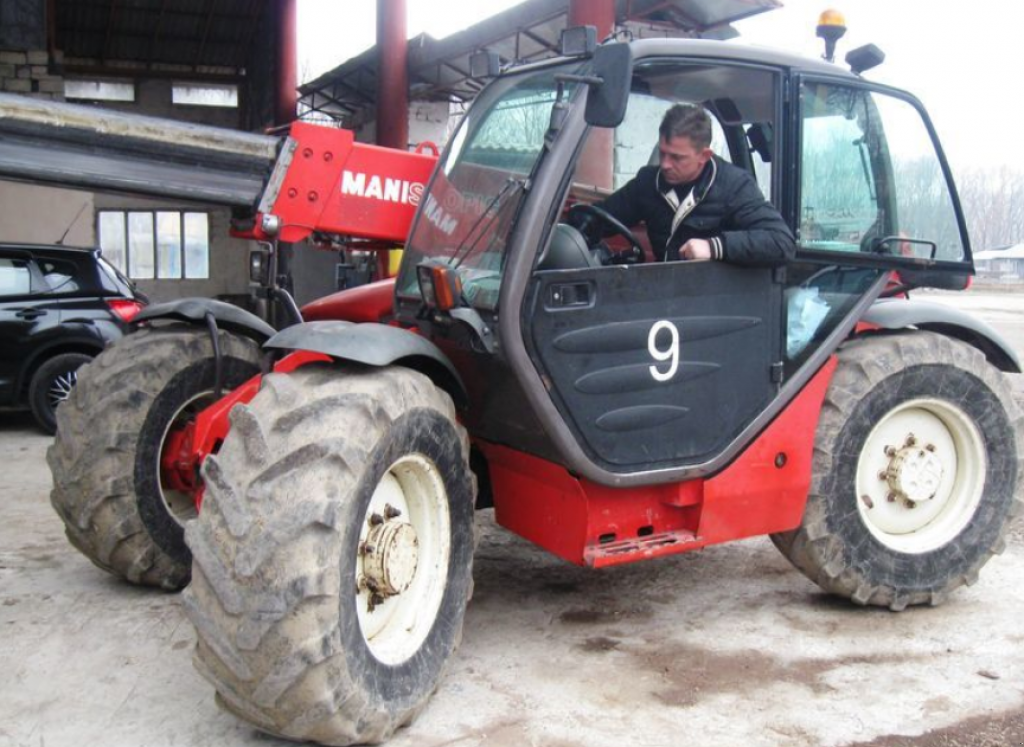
column 597, row 13
column 596, row 165
column 392, row 75
column 287, row 62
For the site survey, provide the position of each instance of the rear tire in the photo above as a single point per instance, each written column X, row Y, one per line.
column 51, row 386
column 915, row 472
column 106, row 457
column 299, row 531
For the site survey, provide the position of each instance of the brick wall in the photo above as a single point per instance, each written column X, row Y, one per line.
column 34, row 72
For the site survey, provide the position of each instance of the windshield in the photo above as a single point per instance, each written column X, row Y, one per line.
column 469, row 209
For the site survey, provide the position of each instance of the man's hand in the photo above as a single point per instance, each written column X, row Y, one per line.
column 696, row 249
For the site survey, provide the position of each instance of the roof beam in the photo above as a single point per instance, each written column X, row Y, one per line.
column 156, row 31
column 206, row 31
column 111, row 17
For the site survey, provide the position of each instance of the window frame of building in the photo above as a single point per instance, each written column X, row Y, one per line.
column 100, row 90
column 170, row 256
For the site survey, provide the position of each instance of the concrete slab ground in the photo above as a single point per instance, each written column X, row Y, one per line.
column 729, row 646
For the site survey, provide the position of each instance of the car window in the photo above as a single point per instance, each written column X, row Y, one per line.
column 60, row 277
column 15, row 278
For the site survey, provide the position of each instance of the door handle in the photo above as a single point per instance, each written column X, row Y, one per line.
column 30, row 314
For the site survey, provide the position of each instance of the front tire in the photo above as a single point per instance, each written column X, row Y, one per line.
column 332, row 561
column 107, row 484
column 915, row 472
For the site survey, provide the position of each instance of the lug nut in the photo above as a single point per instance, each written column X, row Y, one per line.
column 390, row 512
column 890, row 451
column 376, row 519
column 911, row 440
column 929, row 447
column 910, row 504
column 883, row 475
column 867, row 501
column 891, row 497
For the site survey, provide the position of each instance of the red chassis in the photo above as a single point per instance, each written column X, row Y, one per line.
column 763, row 491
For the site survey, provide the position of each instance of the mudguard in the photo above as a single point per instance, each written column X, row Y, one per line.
column 194, row 311
column 896, row 313
column 374, row 345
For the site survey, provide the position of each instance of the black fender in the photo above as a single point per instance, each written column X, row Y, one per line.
column 374, row 344
column 194, row 311
column 897, row 313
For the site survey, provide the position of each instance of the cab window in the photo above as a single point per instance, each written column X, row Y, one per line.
column 871, row 180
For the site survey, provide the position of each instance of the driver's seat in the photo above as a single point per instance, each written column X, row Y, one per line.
column 567, row 250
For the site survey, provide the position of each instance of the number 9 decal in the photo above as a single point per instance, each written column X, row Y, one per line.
column 671, row 354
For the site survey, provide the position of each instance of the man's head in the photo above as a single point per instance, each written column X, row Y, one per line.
column 684, row 143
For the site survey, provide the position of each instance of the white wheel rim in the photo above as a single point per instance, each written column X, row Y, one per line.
column 181, row 506
column 920, row 475
column 396, row 623
column 60, row 388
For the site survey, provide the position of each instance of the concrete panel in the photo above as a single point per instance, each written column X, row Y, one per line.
column 40, row 215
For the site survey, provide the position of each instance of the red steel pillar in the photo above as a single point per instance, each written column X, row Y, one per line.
column 597, row 13
column 392, row 75
column 596, row 164
column 287, row 62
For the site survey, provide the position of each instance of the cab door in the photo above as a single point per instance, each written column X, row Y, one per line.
column 658, row 364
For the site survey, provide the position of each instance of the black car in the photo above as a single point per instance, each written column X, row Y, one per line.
column 59, row 307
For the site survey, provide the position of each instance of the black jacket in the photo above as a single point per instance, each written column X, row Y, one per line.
column 731, row 213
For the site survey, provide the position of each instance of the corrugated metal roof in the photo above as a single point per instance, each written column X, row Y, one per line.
column 190, row 34
column 439, row 68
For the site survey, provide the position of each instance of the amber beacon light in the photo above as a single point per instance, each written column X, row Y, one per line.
column 831, row 28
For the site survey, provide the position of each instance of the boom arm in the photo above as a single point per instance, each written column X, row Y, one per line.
column 316, row 179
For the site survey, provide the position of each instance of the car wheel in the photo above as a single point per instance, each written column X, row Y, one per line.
column 51, row 386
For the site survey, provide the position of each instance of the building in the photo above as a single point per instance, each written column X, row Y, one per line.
column 232, row 64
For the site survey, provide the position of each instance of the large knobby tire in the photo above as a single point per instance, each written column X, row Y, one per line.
column 52, row 384
column 112, row 429
column 330, row 484
column 915, row 471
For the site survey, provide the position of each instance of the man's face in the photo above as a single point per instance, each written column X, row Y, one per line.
column 680, row 160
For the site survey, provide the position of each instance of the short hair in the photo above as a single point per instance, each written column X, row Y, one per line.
column 687, row 120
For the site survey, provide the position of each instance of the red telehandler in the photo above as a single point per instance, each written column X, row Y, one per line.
column 611, row 409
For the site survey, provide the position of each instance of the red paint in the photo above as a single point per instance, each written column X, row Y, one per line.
column 337, row 186
column 594, row 525
column 392, row 75
column 186, row 447
column 287, row 62
column 365, row 303
column 754, row 496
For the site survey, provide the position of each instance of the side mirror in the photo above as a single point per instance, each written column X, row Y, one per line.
column 606, row 101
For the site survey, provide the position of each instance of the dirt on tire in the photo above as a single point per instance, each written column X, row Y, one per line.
column 274, row 588
column 833, row 546
column 105, row 459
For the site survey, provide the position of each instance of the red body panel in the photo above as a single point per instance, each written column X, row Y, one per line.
column 364, row 303
column 185, row 449
column 337, row 186
column 764, row 490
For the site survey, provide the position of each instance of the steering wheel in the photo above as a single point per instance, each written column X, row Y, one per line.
column 581, row 214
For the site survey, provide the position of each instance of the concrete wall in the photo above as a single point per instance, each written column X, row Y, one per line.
column 40, row 215
column 229, row 257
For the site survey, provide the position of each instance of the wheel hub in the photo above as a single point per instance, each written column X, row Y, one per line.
column 390, row 557
column 915, row 473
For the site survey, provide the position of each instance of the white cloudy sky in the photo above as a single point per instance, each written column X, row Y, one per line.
column 959, row 58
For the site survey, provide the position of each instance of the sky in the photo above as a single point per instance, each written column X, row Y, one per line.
column 958, row 58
